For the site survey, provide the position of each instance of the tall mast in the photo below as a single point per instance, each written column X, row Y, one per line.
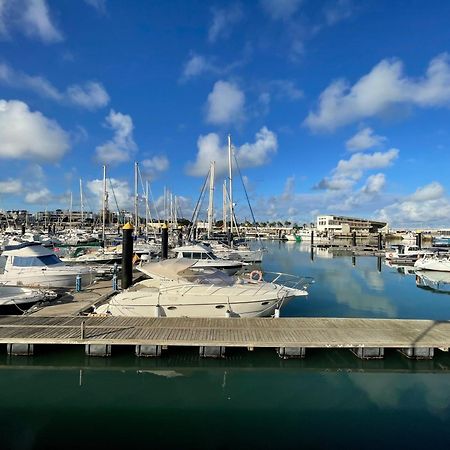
column 165, row 206
column 81, row 202
column 146, row 209
column 224, row 205
column 104, row 206
column 211, row 199
column 136, row 212
column 230, row 187
column 70, row 210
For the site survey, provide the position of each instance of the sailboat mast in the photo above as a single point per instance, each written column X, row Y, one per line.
column 211, row 199
column 146, row 209
column 104, row 206
column 224, row 206
column 230, row 187
column 136, row 212
column 81, row 202
column 70, row 210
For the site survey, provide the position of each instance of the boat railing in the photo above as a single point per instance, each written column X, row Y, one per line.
column 288, row 280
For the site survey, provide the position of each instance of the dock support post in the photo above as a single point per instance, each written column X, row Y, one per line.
column 20, row 349
column 164, row 241
column 83, row 329
column 127, row 256
column 368, row 352
column 148, row 350
column 380, row 241
column 417, row 352
column 312, row 238
column 291, row 352
column 212, row 351
column 419, row 240
column 354, row 239
column 97, row 350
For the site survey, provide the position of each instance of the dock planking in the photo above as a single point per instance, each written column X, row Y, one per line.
column 226, row 332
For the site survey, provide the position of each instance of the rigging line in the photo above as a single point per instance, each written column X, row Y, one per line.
column 115, row 200
column 248, row 199
column 197, row 206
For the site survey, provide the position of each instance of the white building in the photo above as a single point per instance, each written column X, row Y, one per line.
column 345, row 225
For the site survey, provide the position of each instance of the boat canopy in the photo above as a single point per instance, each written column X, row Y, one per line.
column 29, row 249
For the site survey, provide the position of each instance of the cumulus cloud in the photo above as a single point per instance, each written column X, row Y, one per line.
column 153, row 167
column 11, row 186
column 348, row 171
column 363, row 140
column 90, row 95
column 252, row 154
column 225, row 104
column 374, row 184
column 122, row 193
column 99, row 5
column 427, row 205
column 223, row 21
column 280, row 9
column 30, row 17
column 25, row 134
column 122, row 146
column 40, row 196
column 197, row 65
column 382, row 88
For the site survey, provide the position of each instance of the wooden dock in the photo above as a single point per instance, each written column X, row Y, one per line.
column 367, row 338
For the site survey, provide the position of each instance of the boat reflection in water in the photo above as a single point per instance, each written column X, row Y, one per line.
column 433, row 280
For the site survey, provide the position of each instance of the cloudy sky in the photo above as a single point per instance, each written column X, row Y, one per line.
column 334, row 106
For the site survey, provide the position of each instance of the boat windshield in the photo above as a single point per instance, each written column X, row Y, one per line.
column 36, row 261
column 215, row 277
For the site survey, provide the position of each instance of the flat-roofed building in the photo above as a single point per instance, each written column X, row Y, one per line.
column 342, row 224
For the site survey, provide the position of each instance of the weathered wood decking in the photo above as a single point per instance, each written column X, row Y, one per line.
column 226, row 332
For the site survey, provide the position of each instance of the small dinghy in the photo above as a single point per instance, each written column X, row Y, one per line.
column 15, row 295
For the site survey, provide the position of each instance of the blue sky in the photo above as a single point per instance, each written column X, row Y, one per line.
column 334, row 106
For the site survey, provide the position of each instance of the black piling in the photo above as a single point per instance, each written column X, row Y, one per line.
column 379, row 263
column 23, row 229
column 312, row 238
column 380, row 241
column 127, row 256
column 419, row 240
column 354, row 239
column 353, row 260
column 164, row 242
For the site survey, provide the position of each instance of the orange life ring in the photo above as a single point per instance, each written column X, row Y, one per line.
column 391, row 255
column 256, row 272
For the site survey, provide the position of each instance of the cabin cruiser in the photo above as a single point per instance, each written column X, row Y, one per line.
column 92, row 255
column 237, row 252
column 205, row 258
column 33, row 265
column 405, row 252
column 177, row 289
column 437, row 261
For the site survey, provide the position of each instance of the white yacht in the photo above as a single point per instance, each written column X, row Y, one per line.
column 240, row 252
column 405, row 252
column 434, row 280
column 206, row 259
column 15, row 295
column 37, row 266
column 438, row 262
column 177, row 289
column 92, row 255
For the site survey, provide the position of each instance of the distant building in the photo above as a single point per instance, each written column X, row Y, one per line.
column 342, row 224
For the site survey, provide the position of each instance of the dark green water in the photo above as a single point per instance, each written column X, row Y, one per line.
column 62, row 399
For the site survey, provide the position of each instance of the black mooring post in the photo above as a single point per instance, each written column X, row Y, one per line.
column 127, row 256
column 380, row 241
column 419, row 240
column 164, row 242
column 312, row 238
column 23, row 229
column 379, row 263
column 354, row 239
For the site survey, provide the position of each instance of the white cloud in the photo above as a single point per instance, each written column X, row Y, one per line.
column 382, row 88
column 122, row 146
column 253, row 154
column 197, row 65
column 153, row 167
column 99, row 5
column 429, row 204
column 363, row 140
column 223, row 22
column 11, row 186
column 122, row 193
column 349, row 171
column 225, row 104
column 374, row 184
column 29, row 135
column 280, row 9
column 337, row 10
column 40, row 196
column 90, row 95
column 36, row 21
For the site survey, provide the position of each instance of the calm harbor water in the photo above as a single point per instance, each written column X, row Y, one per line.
column 63, row 399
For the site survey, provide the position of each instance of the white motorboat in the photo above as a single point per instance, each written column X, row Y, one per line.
column 37, row 266
column 15, row 295
column 438, row 262
column 93, row 255
column 177, row 289
column 206, row 259
column 240, row 252
column 405, row 252
column 433, row 280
